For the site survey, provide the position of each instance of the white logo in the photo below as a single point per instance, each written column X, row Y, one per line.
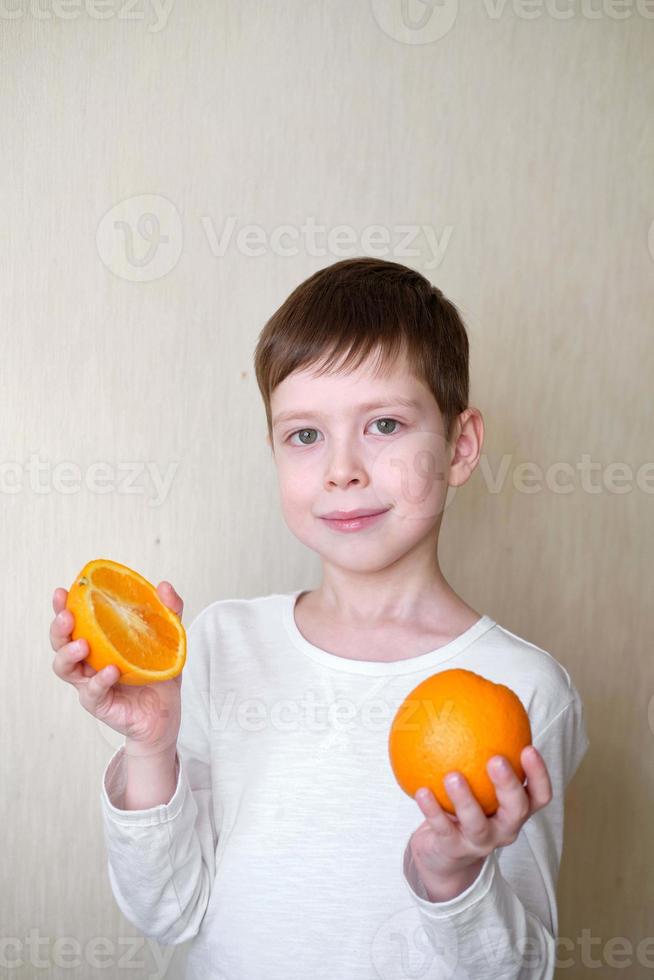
column 140, row 239
column 415, row 21
column 403, row 946
column 412, row 471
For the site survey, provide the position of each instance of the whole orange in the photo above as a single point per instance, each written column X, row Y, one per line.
column 457, row 720
column 125, row 623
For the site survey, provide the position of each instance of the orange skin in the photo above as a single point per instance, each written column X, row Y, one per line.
column 449, row 851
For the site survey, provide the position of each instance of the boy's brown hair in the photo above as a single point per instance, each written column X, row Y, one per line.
column 361, row 304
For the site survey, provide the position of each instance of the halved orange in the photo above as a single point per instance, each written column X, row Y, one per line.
column 125, row 623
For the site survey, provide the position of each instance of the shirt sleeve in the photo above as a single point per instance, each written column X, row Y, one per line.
column 505, row 923
column 161, row 860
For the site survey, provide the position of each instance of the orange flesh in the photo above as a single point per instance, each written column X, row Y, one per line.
column 123, row 610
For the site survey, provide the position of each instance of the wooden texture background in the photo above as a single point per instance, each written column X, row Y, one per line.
column 523, row 143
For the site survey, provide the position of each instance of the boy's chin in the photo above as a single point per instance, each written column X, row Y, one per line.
column 360, row 554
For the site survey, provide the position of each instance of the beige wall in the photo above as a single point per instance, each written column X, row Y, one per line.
column 523, row 145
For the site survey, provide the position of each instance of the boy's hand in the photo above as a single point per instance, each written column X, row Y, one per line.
column 449, row 851
column 148, row 715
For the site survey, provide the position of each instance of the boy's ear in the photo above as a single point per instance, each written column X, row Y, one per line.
column 466, row 446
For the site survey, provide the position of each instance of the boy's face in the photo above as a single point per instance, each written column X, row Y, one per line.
column 345, row 457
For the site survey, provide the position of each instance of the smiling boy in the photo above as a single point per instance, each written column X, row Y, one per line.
column 288, row 849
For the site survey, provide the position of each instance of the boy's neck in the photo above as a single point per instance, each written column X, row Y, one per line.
column 431, row 606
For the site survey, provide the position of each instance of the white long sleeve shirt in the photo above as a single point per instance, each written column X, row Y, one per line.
column 284, row 851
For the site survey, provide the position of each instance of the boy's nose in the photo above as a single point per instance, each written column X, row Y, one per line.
column 345, row 464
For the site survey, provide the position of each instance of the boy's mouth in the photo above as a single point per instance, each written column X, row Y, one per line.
column 349, row 515
column 356, row 523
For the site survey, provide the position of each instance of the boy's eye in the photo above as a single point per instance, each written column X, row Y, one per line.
column 386, row 431
column 301, row 432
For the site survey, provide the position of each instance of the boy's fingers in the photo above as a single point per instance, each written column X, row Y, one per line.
column 97, row 686
column 61, row 628
column 59, row 597
column 539, row 784
column 438, row 818
column 65, row 664
column 170, row 598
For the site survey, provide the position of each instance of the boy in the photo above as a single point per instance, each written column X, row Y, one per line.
column 287, row 849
